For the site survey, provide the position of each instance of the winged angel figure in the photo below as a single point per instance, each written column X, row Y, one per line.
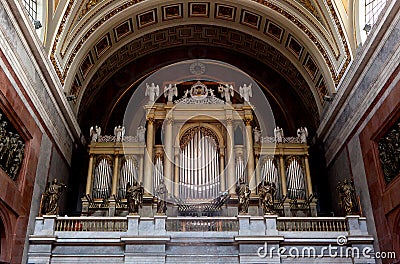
column 152, row 91
column 246, row 92
column 95, row 133
column 170, row 91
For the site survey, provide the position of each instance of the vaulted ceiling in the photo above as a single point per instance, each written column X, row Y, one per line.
column 92, row 43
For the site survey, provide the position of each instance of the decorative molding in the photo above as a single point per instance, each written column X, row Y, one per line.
column 207, row 36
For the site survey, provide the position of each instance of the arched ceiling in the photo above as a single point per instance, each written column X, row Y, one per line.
column 301, row 40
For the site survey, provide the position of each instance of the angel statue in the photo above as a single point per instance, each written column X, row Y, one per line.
column 119, row 133
column 302, row 134
column 243, row 192
column 140, row 133
column 257, row 135
column 278, row 133
column 95, row 133
column 348, row 196
column 226, row 90
column 50, row 197
column 152, row 91
column 246, row 92
column 170, row 91
column 134, row 196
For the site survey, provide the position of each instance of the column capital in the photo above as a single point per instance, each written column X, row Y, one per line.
column 248, row 120
column 229, row 121
column 151, row 120
column 169, row 120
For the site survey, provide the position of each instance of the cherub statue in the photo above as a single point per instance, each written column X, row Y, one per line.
column 246, row 92
column 95, row 133
column 152, row 91
column 119, row 133
column 170, row 91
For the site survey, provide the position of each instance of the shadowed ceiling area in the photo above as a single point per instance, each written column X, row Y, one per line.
column 107, row 107
column 91, row 41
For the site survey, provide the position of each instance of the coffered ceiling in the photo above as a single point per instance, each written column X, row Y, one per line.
column 89, row 41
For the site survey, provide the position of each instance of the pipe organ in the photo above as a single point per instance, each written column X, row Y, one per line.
column 199, row 171
column 102, row 178
column 295, row 179
column 128, row 173
column 158, row 172
column 198, row 160
column 270, row 173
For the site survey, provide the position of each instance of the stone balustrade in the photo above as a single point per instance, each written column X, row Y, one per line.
column 162, row 239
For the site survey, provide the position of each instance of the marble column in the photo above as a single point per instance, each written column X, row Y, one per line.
column 148, row 165
column 141, row 164
column 250, row 156
column 176, row 176
column 90, row 176
column 115, row 176
column 283, row 175
column 230, row 157
column 258, row 169
column 308, row 175
column 222, row 169
column 169, row 155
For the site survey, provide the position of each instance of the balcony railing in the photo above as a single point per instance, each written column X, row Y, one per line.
column 92, row 224
column 199, row 224
column 308, row 224
column 202, row 224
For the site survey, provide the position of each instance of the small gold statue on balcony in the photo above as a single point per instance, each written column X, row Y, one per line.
column 134, row 196
column 348, row 198
column 50, row 197
column 266, row 194
column 162, row 195
column 243, row 192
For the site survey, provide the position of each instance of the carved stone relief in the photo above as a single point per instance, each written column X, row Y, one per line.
column 389, row 153
column 12, row 148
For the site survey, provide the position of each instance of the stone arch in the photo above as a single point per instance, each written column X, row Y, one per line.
column 396, row 234
column 217, row 133
column 5, row 230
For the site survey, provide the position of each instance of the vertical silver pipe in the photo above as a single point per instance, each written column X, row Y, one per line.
column 201, row 168
column 217, row 175
column 208, row 168
column 191, row 170
column 196, row 171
